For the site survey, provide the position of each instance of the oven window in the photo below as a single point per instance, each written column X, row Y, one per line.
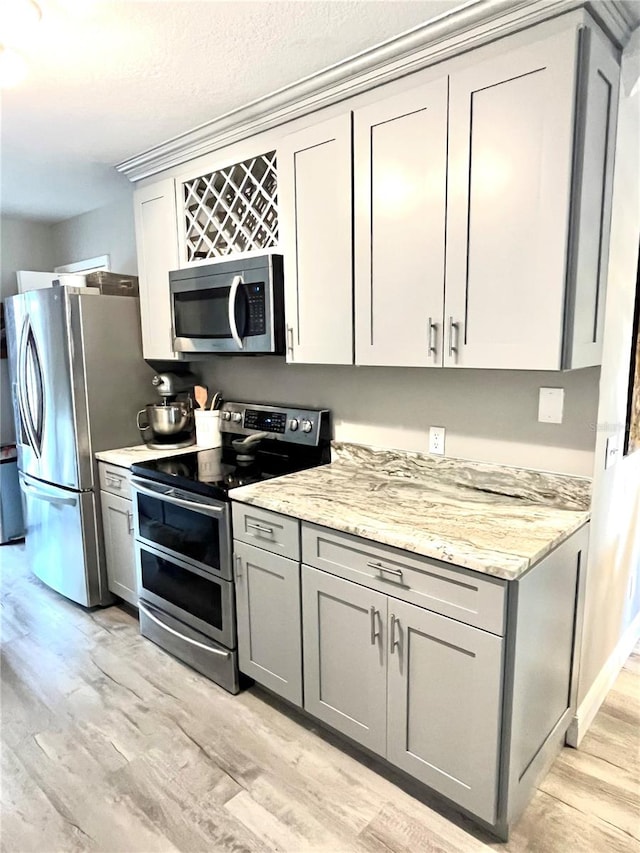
column 205, row 313
column 196, row 595
column 184, row 531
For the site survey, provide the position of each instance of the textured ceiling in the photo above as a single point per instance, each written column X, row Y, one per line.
column 110, row 78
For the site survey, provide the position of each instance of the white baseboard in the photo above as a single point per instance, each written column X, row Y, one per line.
column 603, row 683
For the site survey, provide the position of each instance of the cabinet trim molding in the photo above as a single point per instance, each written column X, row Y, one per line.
column 470, row 26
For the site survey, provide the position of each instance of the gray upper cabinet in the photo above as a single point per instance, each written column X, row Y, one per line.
column 157, row 248
column 444, row 705
column 400, row 161
column 268, row 618
column 528, row 205
column 117, row 524
column 345, row 658
column 314, row 192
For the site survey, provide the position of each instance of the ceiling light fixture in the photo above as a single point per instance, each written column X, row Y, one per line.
column 13, row 68
column 17, row 19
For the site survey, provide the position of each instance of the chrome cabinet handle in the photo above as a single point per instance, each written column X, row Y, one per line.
column 393, row 642
column 238, row 567
column 375, row 617
column 453, row 327
column 233, row 295
column 130, row 518
column 290, row 340
column 380, row 568
column 260, row 528
column 180, row 636
column 433, row 331
column 113, row 480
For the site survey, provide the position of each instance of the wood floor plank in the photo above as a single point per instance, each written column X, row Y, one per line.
column 596, row 787
column 109, row 745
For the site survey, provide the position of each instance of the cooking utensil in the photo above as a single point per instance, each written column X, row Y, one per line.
column 201, row 394
column 216, row 400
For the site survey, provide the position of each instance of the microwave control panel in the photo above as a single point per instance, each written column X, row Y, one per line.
column 256, row 324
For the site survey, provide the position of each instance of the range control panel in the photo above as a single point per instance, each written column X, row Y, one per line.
column 283, row 423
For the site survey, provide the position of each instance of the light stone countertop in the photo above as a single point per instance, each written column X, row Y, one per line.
column 489, row 518
column 125, row 457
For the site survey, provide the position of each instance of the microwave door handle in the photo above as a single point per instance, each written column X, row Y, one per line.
column 233, row 296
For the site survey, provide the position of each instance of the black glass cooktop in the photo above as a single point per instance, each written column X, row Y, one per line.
column 215, row 472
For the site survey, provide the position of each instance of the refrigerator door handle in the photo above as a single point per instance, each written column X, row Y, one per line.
column 21, row 386
column 43, row 494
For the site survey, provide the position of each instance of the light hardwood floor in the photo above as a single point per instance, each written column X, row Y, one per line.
column 109, row 744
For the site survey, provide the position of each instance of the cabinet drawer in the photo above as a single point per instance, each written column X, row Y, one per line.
column 455, row 592
column 115, row 480
column 269, row 530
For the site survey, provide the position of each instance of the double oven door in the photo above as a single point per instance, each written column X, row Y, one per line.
column 183, row 556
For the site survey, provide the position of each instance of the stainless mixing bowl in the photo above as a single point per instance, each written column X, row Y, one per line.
column 166, row 419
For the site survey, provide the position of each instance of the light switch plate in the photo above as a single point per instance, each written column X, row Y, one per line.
column 613, row 451
column 551, row 405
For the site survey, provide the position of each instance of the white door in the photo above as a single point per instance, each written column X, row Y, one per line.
column 28, row 280
column 400, row 162
column 157, row 249
column 315, row 203
column 510, row 169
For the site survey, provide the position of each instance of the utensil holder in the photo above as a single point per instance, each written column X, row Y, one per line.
column 208, row 428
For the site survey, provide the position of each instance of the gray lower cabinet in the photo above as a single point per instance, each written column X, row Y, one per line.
column 345, row 657
column 117, row 524
column 268, row 618
column 444, row 705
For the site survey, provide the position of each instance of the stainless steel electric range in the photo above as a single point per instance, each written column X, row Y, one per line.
column 183, row 530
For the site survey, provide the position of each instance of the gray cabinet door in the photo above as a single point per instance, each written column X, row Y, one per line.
column 400, row 181
column 117, row 523
column 157, row 247
column 268, row 616
column 314, row 195
column 510, row 165
column 444, row 700
column 345, row 656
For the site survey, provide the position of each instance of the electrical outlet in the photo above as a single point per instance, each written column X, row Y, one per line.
column 436, row 440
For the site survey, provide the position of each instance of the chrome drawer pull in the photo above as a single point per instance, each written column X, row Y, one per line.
column 179, row 635
column 260, row 528
column 375, row 633
column 238, row 567
column 397, row 573
column 113, row 480
column 130, row 519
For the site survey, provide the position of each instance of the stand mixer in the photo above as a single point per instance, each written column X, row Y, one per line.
column 169, row 424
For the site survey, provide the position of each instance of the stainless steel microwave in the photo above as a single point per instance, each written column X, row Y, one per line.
column 229, row 307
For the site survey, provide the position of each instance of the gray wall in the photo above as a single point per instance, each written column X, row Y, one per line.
column 24, row 245
column 612, row 600
column 108, row 230
column 489, row 415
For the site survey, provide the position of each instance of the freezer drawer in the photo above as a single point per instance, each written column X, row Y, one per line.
column 61, row 541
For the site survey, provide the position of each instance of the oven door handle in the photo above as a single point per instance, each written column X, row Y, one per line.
column 180, row 636
column 209, row 508
column 233, row 295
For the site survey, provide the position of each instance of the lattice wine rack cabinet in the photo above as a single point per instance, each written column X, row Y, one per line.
column 232, row 210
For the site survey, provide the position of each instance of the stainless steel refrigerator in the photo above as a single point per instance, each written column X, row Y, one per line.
column 77, row 380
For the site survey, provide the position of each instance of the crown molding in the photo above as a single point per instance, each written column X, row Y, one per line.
column 471, row 25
